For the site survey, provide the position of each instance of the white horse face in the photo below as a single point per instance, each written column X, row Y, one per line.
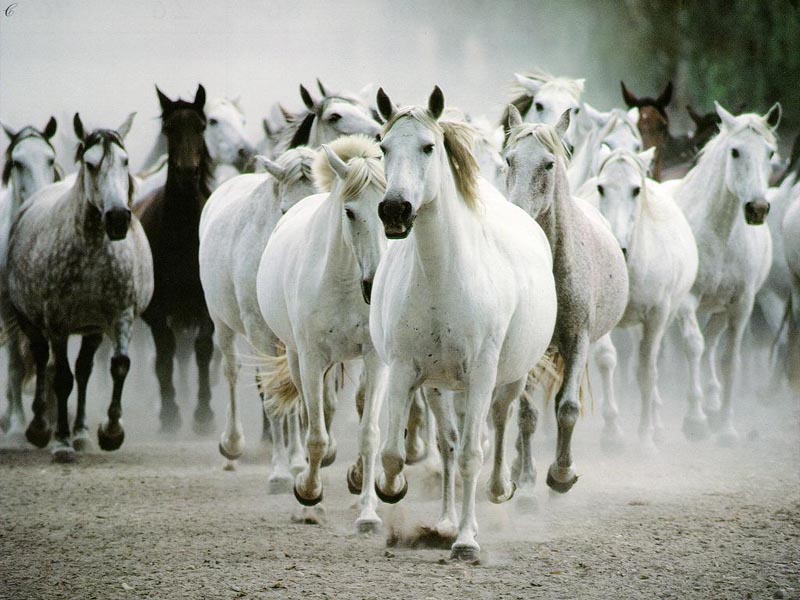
column 619, row 186
column 530, row 175
column 413, row 160
column 747, row 171
column 338, row 117
column 225, row 135
column 32, row 165
column 363, row 234
column 291, row 194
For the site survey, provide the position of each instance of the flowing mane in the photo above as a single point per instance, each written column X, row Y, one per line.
column 364, row 168
column 546, row 135
column 458, row 139
column 297, row 164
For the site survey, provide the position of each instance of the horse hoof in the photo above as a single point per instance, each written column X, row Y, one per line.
column 695, row 429
column 505, row 496
column 465, row 553
column 81, row 441
column 110, row 437
column 170, row 422
column 728, row 437
column 229, row 455
column 353, row 481
column 281, row 484
column 64, row 454
column 329, row 458
column 306, row 501
column 392, row 499
column 368, row 526
column 204, row 426
column 38, row 436
column 229, row 466
column 526, row 504
column 562, row 487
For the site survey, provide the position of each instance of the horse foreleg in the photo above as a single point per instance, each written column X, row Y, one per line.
column 391, row 485
column 480, row 386
column 307, row 484
column 561, row 475
column 331, row 387
column 653, row 334
column 16, row 376
column 292, row 421
column 111, row 434
column 524, row 468
column 62, row 385
column 231, row 444
column 204, row 351
column 164, row 340
column 501, row 488
column 605, row 354
column 727, row 435
column 38, row 432
column 415, row 445
column 713, row 332
column 369, row 438
column 445, row 418
column 695, row 423
column 83, row 370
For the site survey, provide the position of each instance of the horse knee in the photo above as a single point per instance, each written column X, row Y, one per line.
column 470, row 460
column 567, row 412
column 120, row 365
column 606, row 358
column 528, row 417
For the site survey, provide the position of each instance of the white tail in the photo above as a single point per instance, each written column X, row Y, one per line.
column 275, row 385
column 549, row 372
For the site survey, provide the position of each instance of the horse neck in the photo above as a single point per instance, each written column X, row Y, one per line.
column 710, row 208
column 187, row 196
column 444, row 230
column 555, row 221
column 338, row 262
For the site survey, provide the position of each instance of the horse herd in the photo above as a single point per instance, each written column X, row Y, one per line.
column 466, row 265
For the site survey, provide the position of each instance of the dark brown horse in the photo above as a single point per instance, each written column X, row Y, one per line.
column 171, row 216
column 674, row 154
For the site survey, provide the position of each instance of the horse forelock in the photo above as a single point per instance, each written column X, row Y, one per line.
column 364, row 167
column 297, row 164
column 106, row 137
column 544, row 134
column 654, row 205
column 458, row 139
column 752, row 122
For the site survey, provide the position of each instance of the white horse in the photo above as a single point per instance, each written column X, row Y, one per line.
column 724, row 200
column 236, row 223
column 590, row 277
column 791, row 248
column 661, row 256
column 226, row 139
column 544, row 98
column 314, row 287
column 30, row 165
column 466, row 303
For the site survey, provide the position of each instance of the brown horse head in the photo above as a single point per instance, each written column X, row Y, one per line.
column 653, row 120
column 183, row 123
column 706, row 126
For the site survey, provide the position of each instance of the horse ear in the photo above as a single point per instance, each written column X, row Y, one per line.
column 337, row 164
column 272, row 168
column 628, row 97
column 322, row 89
column 597, row 117
column 527, row 83
column 563, row 123
column 200, row 97
column 728, row 120
column 77, row 124
column 580, row 83
column 386, row 107
column 11, row 135
column 514, row 118
column 647, row 157
column 773, row 116
column 307, row 99
column 124, row 129
column 163, row 100
column 50, row 129
column 436, row 103
column 666, row 96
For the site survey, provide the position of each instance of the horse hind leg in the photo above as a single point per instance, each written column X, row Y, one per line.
column 561, row 475
column 726, row 432
column 500, row 486
column 712, row 334
column 653, row 334
column 333, row 382
column 231, row 443
column 523, row 472
column 39, row 431
column 83, row 370
column 442, row 409
column 15, row 417
column 164, row 340
column 416, row 449
column 605, row 354
column 695, row 423
column 204, row 350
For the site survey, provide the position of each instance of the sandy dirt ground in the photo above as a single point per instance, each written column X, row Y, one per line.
column 161, row 519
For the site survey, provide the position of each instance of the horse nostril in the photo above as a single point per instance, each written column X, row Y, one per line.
column 625, row 253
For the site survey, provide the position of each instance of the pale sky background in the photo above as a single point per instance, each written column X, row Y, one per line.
column 103, row 57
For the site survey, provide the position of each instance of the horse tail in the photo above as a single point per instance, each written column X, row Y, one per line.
column 275, row 386
column 549, row 374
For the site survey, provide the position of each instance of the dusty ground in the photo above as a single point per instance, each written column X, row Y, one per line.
column 161, row 519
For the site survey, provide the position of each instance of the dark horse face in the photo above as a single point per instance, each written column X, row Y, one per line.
column 183, row 123
column 653, row 120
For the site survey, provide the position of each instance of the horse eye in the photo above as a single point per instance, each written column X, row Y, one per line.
column 124, row 162
column 427, row 148
column 384, row 149
column 575, row 111
column 735, row 153
column 600, row 190
column 508, row 161
column 16, row 164
column 212, row 122
column 636, row 191
column 334, row 117
column 771, row 154
column 539, row 107
column 350, row 214
column 549, row 165
column 51, row 161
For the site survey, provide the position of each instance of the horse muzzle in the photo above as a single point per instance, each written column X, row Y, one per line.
column 397, row 217
column 116, row 222
column 756, row 211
